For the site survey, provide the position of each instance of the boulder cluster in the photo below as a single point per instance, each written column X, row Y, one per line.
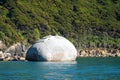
column 15, row 52
column 99, row 52
column 49, row 48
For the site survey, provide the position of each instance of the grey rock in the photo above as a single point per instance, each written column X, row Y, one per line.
column 16, row 49
column 52, row 48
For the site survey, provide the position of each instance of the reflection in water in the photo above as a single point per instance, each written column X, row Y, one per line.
column 55, row 70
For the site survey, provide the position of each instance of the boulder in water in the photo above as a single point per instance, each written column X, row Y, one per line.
column 52, row 48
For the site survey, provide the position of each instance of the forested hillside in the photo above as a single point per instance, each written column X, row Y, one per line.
column 87, row 23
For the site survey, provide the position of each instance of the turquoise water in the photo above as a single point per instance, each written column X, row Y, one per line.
column 82, row 69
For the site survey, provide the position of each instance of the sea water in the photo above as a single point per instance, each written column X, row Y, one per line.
column 81, row 69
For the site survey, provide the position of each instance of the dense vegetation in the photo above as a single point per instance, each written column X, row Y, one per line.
column 87, row 23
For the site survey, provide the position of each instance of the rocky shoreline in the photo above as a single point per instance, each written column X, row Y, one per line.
column 17, row 52
column 99, row 52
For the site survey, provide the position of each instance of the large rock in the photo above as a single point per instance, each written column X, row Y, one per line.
column 52, row 48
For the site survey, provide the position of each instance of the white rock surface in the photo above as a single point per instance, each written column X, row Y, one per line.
column 52, row 48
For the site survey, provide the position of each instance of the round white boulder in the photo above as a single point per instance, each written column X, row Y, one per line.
column 52, row 48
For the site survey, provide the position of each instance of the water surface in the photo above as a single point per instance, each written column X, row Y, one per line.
column 81, row 69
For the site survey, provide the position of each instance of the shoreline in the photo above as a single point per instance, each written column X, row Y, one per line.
column 17, row 52
column 99, row 52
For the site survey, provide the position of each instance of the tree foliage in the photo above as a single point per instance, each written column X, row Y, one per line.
column 87, row 23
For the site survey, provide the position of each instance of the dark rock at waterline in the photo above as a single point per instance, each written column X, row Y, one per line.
column 52, row 48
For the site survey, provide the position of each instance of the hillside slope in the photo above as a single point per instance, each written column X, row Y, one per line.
column 87, row 23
